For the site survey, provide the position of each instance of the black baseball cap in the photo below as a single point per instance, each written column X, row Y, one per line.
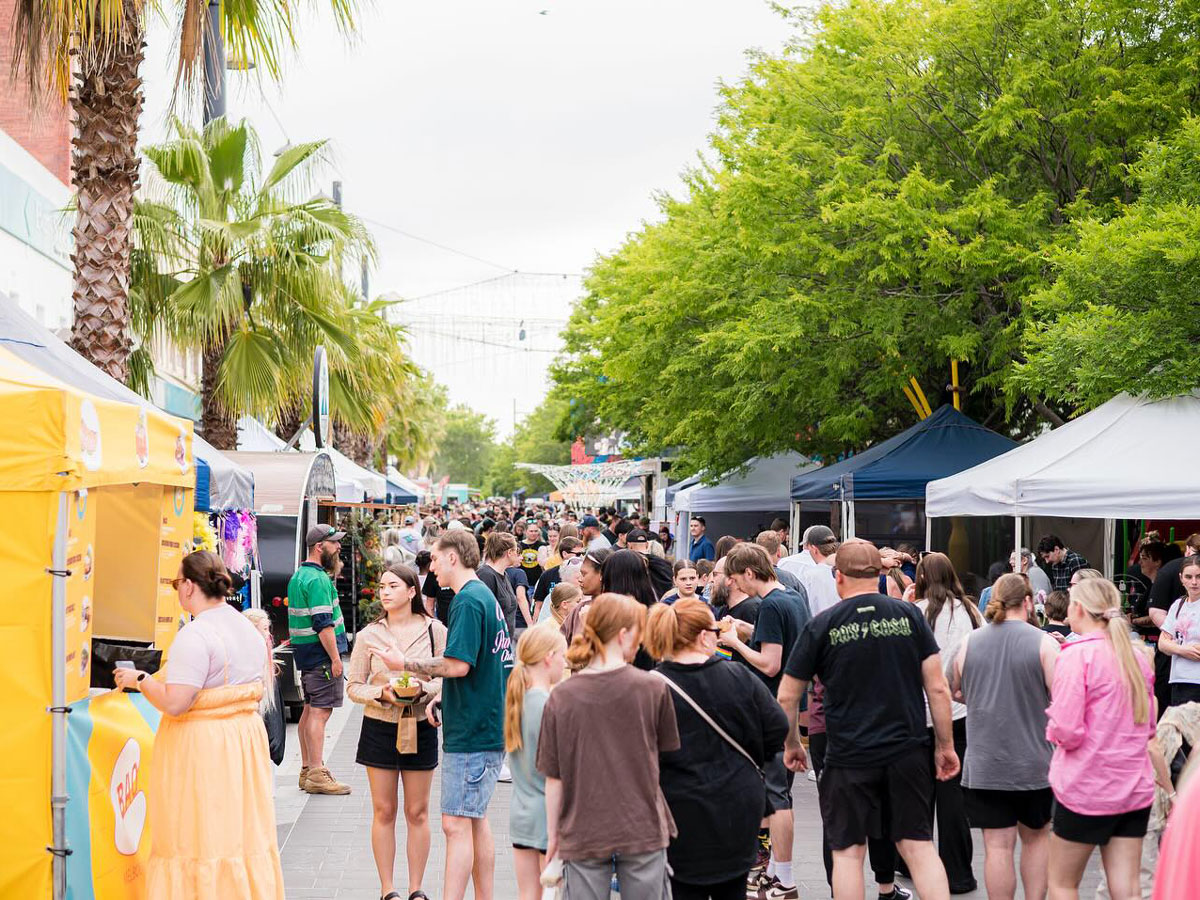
column 589, row 522
column 323, row 532
column 637, row 536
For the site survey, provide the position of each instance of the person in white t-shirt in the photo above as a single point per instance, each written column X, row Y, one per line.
column 813, row 566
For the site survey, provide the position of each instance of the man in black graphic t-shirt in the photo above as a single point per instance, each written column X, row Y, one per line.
column 877, row 660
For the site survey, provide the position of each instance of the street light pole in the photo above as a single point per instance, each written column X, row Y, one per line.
column 214, row 65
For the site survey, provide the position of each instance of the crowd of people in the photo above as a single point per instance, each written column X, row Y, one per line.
column 652, row 709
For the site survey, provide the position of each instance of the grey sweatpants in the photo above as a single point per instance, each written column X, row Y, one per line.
column 642, row 877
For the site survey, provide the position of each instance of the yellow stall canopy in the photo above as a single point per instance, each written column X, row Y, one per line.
column 57, row 437
column 113, row 482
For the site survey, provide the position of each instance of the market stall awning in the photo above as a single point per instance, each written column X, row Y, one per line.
column 762, row 487
column 227, row 486
column 1130, row 458
column 899, row 468
column 401, row 489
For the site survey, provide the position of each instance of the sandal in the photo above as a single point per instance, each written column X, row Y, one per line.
column 390, row 895
column 417, row 895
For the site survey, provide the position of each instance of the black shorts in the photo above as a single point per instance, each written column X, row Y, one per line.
column 320, row 689
column 1007, row 809
column 893, row 801
column 779, row 780
column 377, row 747
column 1099, row 830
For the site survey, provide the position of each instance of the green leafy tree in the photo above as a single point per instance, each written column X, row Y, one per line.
column 1124, row 311
column 536, row 440
column 880, row 200
column 467, row 446
column 240, row 263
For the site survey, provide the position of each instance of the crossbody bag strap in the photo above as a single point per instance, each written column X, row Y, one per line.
column 711, row 722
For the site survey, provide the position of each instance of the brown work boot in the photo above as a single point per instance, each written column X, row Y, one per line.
column 304, row 770
column 321, row 781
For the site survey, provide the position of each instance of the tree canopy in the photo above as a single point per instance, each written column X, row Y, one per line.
column 912, row 182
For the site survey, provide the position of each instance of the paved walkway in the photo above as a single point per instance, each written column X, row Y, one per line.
column 326, row 847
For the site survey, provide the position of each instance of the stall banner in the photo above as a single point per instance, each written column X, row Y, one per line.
column 81, row 554
column 110, row 740
column 174, row 542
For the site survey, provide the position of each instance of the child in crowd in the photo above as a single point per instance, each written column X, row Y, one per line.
column 540, row 663
column 1056, row 614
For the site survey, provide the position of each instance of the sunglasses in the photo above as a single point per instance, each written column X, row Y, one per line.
column 176, row 582
column 714, row 629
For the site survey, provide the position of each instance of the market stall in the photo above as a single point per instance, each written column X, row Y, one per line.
column 740, row 504
column 1132, row 457
column 879, row 494
column 95, row 510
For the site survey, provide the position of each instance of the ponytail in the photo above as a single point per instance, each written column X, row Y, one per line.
column 533, row 646
column 673, row 628
column 1100, row 599
column 1009, row 592
column 607, row 615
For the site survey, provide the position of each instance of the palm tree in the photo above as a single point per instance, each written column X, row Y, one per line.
column 242, row 266
column 89, row 52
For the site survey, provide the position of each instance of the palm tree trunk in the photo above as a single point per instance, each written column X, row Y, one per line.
column 107, row 103
column 218, row 426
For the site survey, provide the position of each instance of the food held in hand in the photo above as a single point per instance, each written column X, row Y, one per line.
column 405, row 688
column 726, row 625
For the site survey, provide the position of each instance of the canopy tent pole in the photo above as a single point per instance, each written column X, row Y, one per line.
column 1017, row 540
column 928, row 533
column 58, row 709
column 1110, row 547
column 850, row 525
column 794, row 528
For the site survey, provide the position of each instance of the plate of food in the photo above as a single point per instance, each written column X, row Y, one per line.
column 406, row 688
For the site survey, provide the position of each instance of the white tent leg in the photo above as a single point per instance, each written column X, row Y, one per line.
column 58, row 711
column 850, row 532
column 1110, row 547
column 928, row 533
column 794, row 529
column 1017, row 541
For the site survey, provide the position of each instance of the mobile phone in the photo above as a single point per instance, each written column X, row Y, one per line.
column 123, row 664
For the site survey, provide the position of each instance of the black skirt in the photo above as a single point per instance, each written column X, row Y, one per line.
column 377, row 747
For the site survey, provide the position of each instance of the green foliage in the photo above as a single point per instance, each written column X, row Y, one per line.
column 883, row 198
column 536, row 440
column 1124, row 312
column 467, row 446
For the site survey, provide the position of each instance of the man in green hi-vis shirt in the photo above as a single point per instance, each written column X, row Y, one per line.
column 318, row 640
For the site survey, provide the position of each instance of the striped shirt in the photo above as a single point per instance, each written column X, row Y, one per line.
column 312, row 607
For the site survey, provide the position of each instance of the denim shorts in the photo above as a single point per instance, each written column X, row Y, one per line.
column 468, row 781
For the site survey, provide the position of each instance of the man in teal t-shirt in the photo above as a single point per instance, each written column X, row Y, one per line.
column 474, row 670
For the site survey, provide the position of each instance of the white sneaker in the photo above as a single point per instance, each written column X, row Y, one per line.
column 505, row 774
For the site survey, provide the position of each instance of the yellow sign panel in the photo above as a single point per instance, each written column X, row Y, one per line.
column 81, row 595
column 174, row 542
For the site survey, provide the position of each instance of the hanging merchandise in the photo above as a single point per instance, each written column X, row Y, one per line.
column 204, row 537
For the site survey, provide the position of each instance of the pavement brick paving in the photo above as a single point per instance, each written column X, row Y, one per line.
column 326, row 851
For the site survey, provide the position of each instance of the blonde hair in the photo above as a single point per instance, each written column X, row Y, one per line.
column 533, row 646
column 1100, row 599
column 675, row 627
column 563, row 592
column 255, row 616
column 606, row 616
column 1009, row 592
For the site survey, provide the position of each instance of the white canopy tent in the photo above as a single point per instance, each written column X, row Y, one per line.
column 408, row 484
column 1130, row 458
column 744, row 501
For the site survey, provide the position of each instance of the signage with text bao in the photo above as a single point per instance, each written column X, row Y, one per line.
column 320, row 407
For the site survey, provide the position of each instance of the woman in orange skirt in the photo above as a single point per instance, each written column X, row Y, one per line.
column 212, row 816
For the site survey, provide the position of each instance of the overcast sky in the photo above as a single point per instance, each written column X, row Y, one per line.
column 531, row 141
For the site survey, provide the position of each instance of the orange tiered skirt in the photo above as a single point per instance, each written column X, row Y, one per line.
column 212, row 813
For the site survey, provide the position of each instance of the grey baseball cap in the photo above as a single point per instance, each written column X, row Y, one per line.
column 323, row 532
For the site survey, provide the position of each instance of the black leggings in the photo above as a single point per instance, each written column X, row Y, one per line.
column 955, row 846
column 734, row 889
column 882, row 853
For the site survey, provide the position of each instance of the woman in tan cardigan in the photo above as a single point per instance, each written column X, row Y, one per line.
column 404, row 626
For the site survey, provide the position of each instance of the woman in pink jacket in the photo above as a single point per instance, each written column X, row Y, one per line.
column 1101, row 721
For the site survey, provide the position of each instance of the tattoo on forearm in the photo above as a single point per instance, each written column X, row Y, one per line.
column 432, row 668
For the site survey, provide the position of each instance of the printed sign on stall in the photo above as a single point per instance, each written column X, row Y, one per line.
column 110, row 740
column 81, row 551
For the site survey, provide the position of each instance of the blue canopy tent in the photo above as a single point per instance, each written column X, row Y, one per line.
column 881, row 491
column 220, row 483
